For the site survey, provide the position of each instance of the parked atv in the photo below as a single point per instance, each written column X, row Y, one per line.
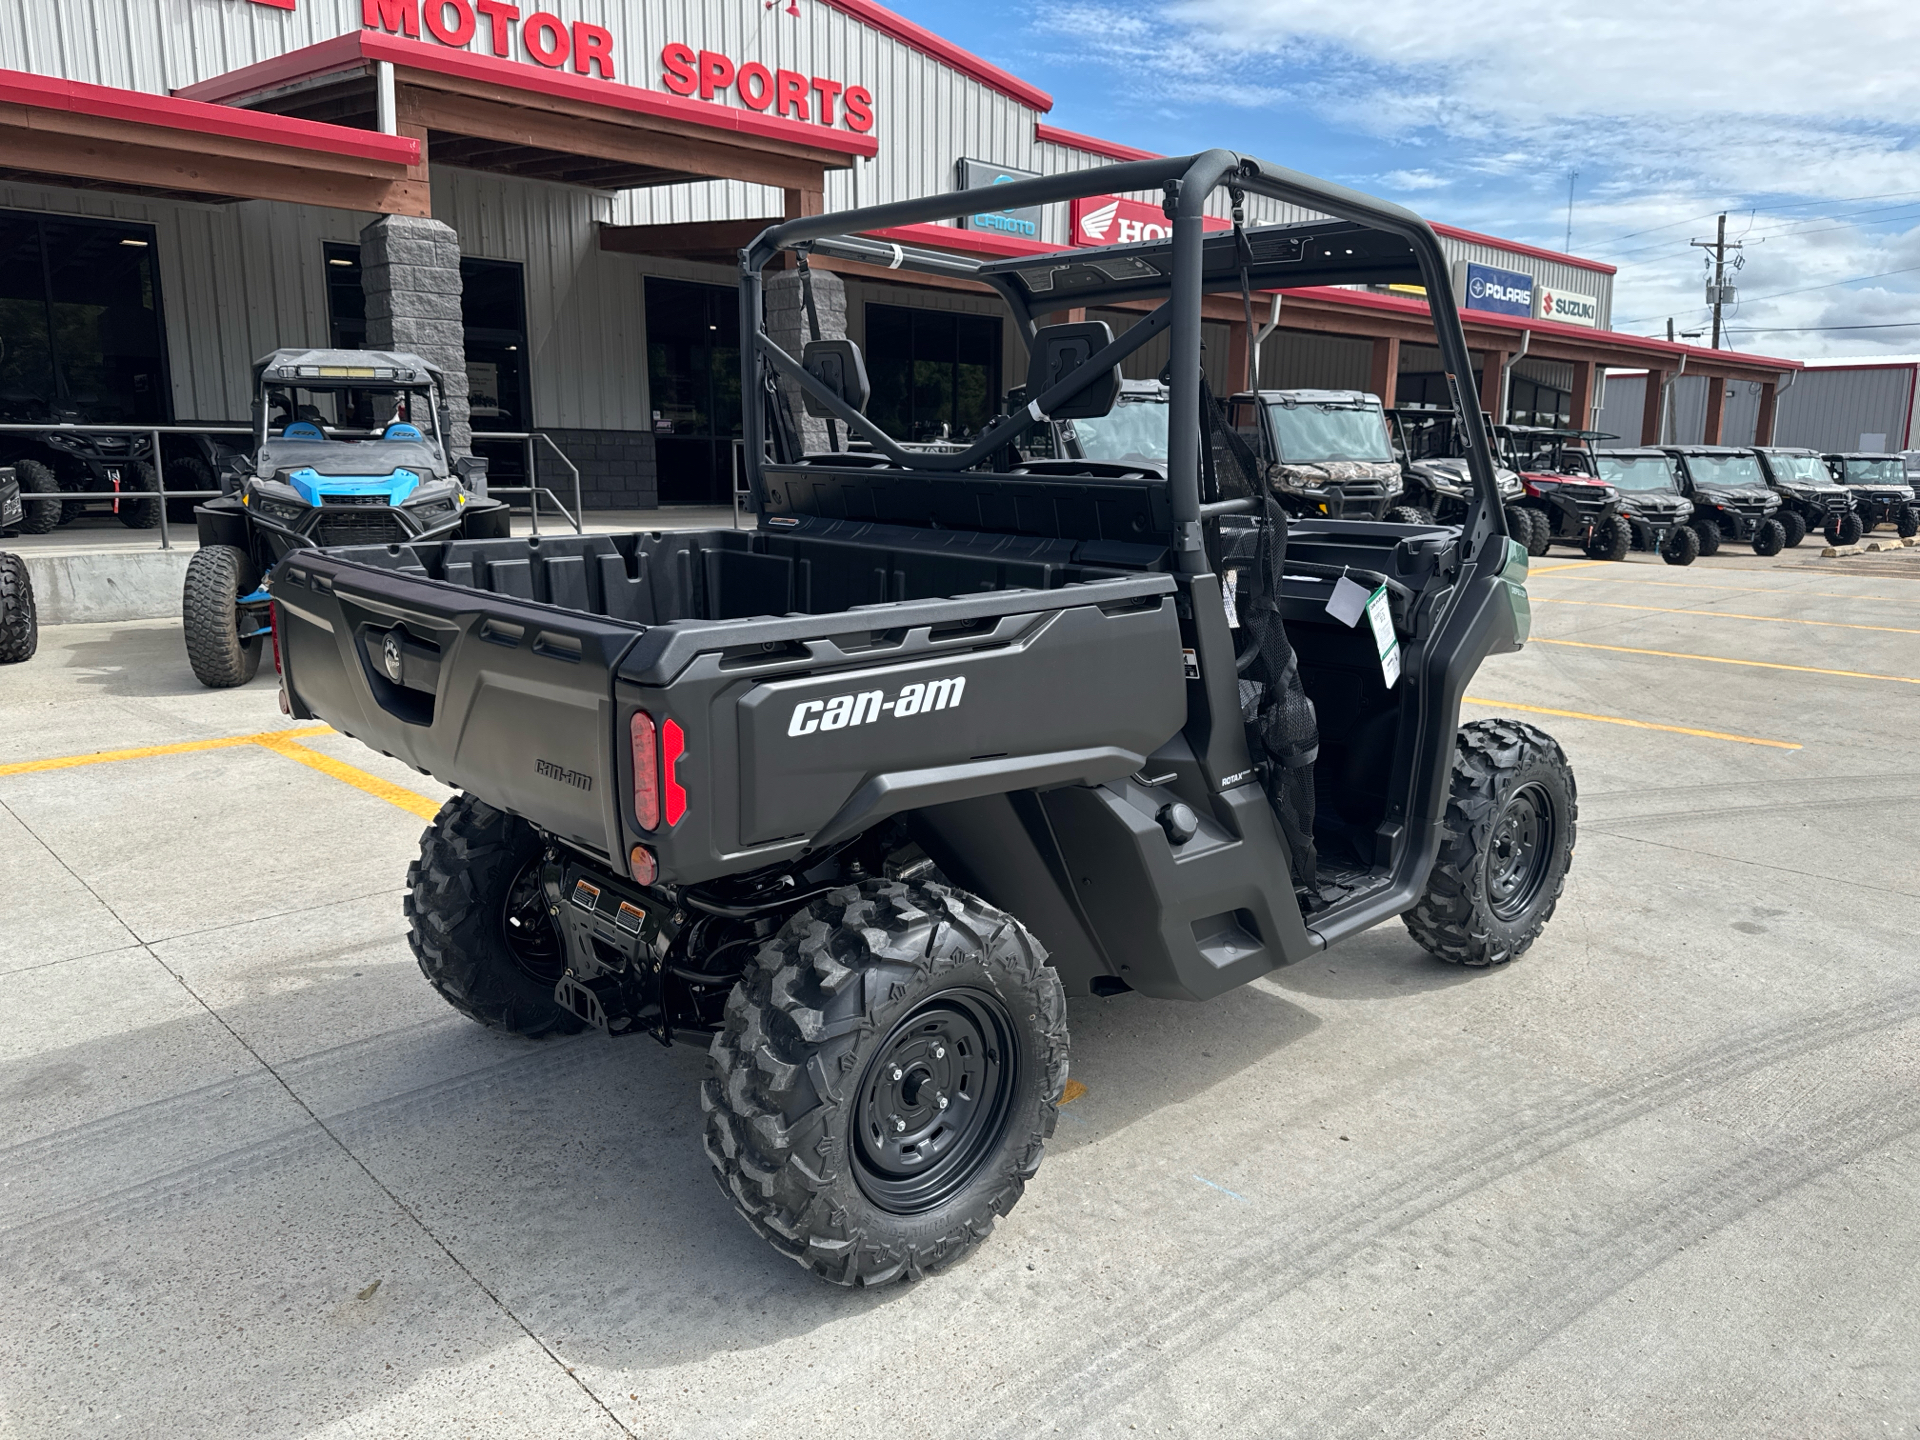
column 866, row 802
column 349, row 449
column 1880, row 490
column 1325, row 452
column 19, row 624
column 1563, row 488
column 1810, row 500
column 1433, row 468
column 1650, row 501
column 1731, row 497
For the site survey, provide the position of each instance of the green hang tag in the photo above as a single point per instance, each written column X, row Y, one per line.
column 1380, row 617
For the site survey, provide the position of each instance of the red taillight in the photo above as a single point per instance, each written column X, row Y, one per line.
column 673, row 745
column 641, row 862
column 646, row 772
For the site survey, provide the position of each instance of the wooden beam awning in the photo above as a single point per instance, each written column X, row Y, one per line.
column 478, row 112
column 95, row 137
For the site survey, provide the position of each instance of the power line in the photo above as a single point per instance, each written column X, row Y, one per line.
column 1785, row 205
column 1812, row 329
column 1808, row 290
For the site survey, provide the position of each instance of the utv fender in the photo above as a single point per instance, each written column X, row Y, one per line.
column 222, row 522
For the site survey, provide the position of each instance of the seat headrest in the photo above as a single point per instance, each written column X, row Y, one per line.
column 1059, row 350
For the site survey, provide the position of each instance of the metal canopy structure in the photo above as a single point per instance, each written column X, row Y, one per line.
column 483, row 113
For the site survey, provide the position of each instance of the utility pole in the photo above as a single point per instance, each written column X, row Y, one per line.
column 1572, row 175
column 1719, row 293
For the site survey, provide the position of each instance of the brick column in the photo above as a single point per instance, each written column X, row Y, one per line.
column 1650, row 409
column 410, row 272
column 787, row 327
column 1580, row 400
column 1763, row 421
column 1383, row 374
column 1716, row 408
column 1491, row 362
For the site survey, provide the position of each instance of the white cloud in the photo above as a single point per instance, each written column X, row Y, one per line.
column 1669, row 112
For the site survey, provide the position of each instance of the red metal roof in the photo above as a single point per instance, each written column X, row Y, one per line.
column 345, row 51
column 175, row 113
column 1074, row 140
column 898, row 27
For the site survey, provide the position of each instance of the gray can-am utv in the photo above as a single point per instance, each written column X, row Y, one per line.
column 1324, row 452
column 868, row 791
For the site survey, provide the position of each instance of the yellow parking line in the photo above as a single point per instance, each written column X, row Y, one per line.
column 145, row 752
column 1748, row 589
column 1635, row 724
column 386, row 790
column 1723, row 660
column 1719, row 614
column 1573, row 565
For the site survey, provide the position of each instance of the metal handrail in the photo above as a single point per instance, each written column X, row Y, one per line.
column 159, row 495
column 531, row 491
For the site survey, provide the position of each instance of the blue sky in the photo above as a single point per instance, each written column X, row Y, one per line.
column 1801, row 120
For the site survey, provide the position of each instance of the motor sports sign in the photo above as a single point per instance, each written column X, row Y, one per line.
column 1569, row 307
column 1491, row 289
column 1115, row 220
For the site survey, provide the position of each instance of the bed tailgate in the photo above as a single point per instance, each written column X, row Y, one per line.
column 510, row 702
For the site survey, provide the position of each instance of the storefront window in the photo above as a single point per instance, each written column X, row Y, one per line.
column 80, row 326
column 934, row 373
column 693, row 377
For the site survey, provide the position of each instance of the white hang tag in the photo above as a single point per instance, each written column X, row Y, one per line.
column 1347, row 602
column 1230, row 596
column 1380, row 617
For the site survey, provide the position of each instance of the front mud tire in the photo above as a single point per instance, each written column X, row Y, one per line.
column 1769, row 538
column 1682, row 547
column 19, row 622
column 1507, row 847
column 824, row 1080
column 478, row 924
column 217, row 576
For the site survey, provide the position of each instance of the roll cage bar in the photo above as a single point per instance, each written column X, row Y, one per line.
column 1367, row 241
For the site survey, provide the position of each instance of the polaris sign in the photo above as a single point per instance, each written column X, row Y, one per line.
column 1486, row 287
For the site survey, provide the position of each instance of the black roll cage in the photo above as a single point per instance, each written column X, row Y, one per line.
column 1178, row 268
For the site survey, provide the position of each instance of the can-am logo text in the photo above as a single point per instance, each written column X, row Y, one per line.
column 842, row 711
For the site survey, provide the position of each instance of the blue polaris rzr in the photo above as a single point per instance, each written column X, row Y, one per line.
column 349, row 449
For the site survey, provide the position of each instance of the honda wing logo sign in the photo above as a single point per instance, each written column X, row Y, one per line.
column 1116, row 220
column 843, row 711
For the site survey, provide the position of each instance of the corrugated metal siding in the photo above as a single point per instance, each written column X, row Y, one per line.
column 1832, row 409
column 1621, row 409
column 1305, row 360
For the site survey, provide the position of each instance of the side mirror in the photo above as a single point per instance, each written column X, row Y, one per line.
column 446, row 424
column 1058, row 351
column 836, row 364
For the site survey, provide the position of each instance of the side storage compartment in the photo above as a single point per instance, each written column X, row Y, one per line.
column 779, row 737
column 511, row 701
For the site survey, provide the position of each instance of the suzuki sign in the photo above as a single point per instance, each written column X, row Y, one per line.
column 1488, row 288
column 1114, row 220
column 1569, row 308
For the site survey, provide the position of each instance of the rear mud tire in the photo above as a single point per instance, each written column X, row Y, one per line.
column 1610, row 540
column 1709, row 532
column 473, row 862
column 186, row 472
column 19, row 623
column 1520, row 527
column 1795, row 525
column 1508, row 844
column 41, row 517
column 1769, row 538
column 1844, row 529
column 1682, row 547
column 217, row 576
column 800, row 1116
column 1870, row 518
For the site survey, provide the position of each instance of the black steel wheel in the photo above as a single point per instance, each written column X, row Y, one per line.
column 1609, row 540
column 887, row 1076
column 478, row 923
column 1682, row 547
column 1507, row 847
column 1843, row 529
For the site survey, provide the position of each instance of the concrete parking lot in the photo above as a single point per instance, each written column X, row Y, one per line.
column 1660, row 1177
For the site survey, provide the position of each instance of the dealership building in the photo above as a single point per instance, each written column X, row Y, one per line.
column 549, row 204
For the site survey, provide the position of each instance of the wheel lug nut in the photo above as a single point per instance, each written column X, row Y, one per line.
column 898, row 1073
column 899, row 1124
column 939, row 1052
column 941, row 1102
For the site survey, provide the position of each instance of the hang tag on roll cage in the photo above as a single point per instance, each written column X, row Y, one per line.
column 1348, row 601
